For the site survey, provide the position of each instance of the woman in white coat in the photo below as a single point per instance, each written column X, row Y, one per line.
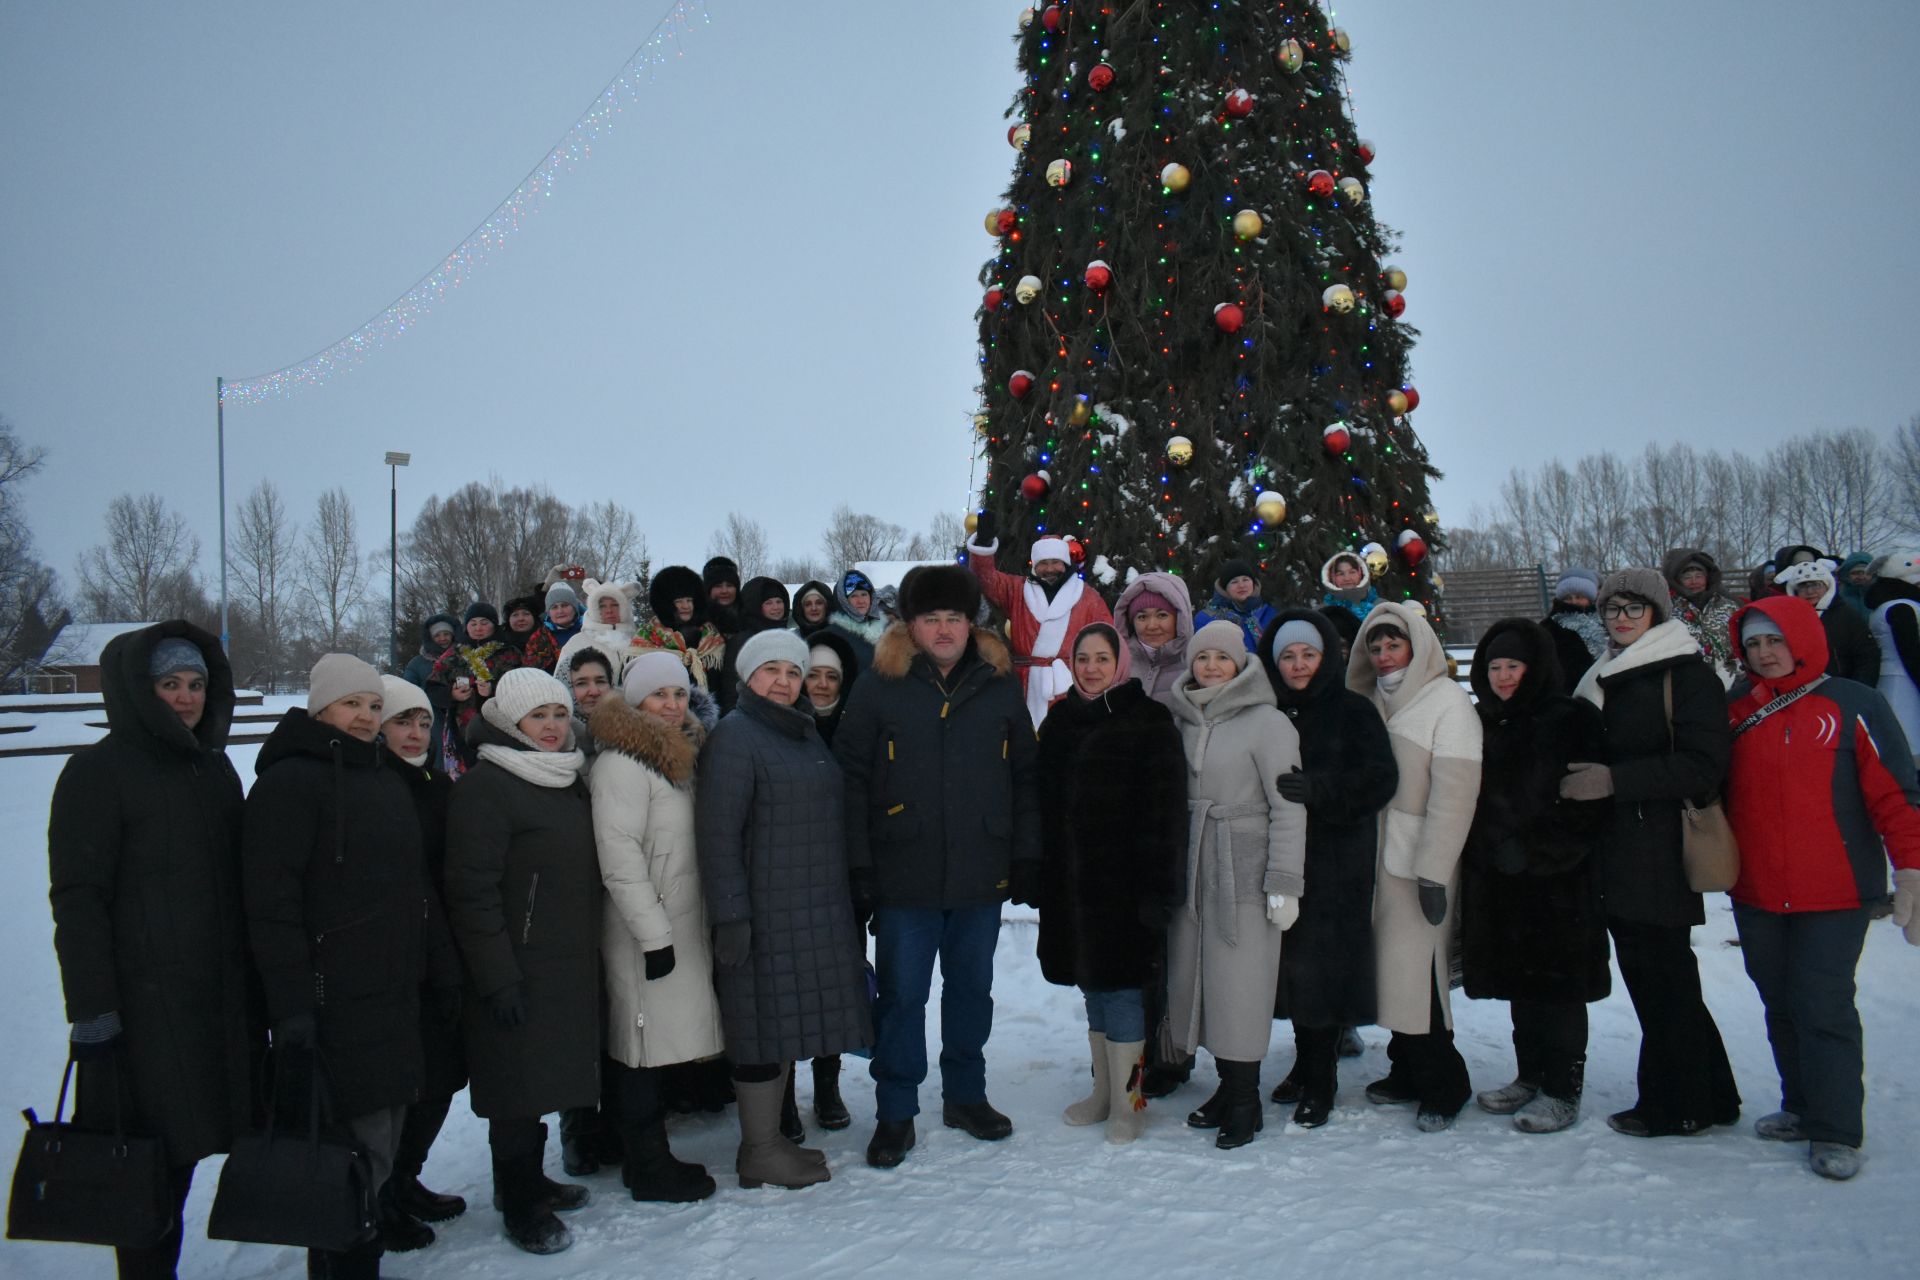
column 661, row 1008
column 1246, row 855
column 1398, row 664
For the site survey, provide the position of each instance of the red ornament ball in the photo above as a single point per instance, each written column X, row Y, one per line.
column 1020, row 383
column 1364, row 149
column 1412, row 547
column 1393, row 302
column 1006, row 220
column 1336, row 438
column 1228, row 317
column 1099, row 275
column 1100, row 79
column 995, row 296
column 1077, row 549
column 1320, row 182
column 1239, row 104
column 1413, row 397
column 1035, row 487
column 1052, row 16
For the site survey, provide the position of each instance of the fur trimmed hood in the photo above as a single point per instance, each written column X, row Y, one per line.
column 893, row 655
column 671, row 753
column 1428, row 664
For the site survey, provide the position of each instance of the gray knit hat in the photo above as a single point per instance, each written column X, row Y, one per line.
column 176, row 654
column 340, row 675
column 563, row 593
column 775, row 644
column 1224, row 636
column 1583, row 582
column 1643, row 584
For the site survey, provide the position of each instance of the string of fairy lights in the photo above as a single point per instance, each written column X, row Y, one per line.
column 508, row 218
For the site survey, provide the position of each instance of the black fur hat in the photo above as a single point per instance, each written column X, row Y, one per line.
column 939, row 586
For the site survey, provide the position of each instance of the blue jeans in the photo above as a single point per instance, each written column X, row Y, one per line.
column 906, row 942
column 1120, row 1016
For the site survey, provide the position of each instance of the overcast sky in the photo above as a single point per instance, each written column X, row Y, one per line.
column 1625, row 222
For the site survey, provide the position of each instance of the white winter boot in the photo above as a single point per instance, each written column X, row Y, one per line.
column 1092, row 1109
column 1127, row 1107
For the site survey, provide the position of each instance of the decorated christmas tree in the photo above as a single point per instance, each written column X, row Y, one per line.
column 1190, row 342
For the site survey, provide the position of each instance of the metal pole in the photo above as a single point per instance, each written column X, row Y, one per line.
column 393, row 570
column 220, row 431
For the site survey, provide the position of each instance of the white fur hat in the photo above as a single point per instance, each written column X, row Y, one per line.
column 1050, row 549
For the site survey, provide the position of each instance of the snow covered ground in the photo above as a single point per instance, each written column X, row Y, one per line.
column 1366, row 1196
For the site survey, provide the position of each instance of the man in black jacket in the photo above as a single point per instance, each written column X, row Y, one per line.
column 942, row 827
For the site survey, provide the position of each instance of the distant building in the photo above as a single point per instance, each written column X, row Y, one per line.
column 77, row 649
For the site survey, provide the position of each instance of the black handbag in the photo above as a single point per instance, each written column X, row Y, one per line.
column 81, row 1187
column 308, row 1191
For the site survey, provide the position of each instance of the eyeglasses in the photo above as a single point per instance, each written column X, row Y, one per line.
column 1635, row 611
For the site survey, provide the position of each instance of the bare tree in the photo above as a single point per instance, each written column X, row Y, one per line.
column 742, row 540
column 482, row 542
column 944, row 536
column 263, row 556
column 1903, row 475
column 1603, row 496
column 853, row 536
column 30, row 608
column 796, row 570
column 1834, row 486
column 333, row 575
column 138, row 569
column 607, row 541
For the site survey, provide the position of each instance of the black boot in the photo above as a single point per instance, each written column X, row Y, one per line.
column 519, row 1190
column 829, row 1111
column 790, row 1127
column 362, row 1262
column 1162, row 1078
column 400, row 1231
column 1241, row 1118
column 580, row 1141
column 650, row 1170
column 428, row 1206
column 1207, row 1115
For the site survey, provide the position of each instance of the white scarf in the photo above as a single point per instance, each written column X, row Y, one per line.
column 1045, row 683
column 1669, row 639
column 418, row 762
column 541, row 768
column 1389, row 684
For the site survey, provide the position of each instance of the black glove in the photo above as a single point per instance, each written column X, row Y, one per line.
column 1292, row 786
column 659, row 963
column 984, row 527
column 96, row 1039
column 508, row 1005
column 1433, row 901
column 1154, row 914
column 863, row 884
column 444, row 1004
column 731, row 943
column 296, row 1032
column 1023, row 883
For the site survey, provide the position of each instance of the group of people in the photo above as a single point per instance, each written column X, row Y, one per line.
column 669, row 840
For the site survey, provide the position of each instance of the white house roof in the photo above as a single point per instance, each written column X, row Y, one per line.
column 80, row 644
column 887, row 573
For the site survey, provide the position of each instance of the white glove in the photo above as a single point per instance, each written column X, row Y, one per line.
column 1282, row 910
column 1906, row 903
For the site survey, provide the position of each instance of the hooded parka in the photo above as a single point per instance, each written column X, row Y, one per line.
column 726, row 680
column 143, row 853
column 1157, row 668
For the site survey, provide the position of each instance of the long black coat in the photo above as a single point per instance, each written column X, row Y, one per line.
column 441, row 1045
column 524, row 898
column 768, row 826
column 336, row 906
column 1113, row 823
column 1851, row 652
column 1642, row 879
column 1327, row 971
column 1530, row 925
column 941, row 780
column 143, row 859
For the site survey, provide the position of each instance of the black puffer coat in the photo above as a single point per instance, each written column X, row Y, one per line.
column 143, row 856
column 443, row 1052
column 1530, row 925
column 768, row 825
column 1113, row 822
column 1326, row 966
column 524, row 898
column 941, row 777
column 336, row 905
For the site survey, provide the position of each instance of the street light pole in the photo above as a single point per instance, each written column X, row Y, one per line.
column 394, row 462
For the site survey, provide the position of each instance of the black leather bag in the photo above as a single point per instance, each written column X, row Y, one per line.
column 81, row 1187
column 311, row 1191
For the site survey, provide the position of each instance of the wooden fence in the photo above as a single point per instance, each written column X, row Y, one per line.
column 1478, row 598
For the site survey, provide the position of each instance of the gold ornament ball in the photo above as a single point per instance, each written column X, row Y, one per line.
column 1059, row 173
column 1352, row 190
column 1028, row 289
column 1341, row 40
column 1290, row 56
column 1430, row 515
column 1081, row 413
column 1248, row 224
column 1270, row 507
column 1175, row 177
column 1396, row 402
column 1376, row 557
column 981, row 424
column 1180, row 451
column 972, row 523
column 1337, row 297
column 1396, row 278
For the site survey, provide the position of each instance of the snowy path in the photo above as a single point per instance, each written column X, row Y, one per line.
column 1366, row 1196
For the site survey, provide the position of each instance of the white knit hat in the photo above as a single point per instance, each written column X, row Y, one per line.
column 775, row 644
column 824, row 655
column 401, row 696
column 520, row 691
column 650, row 671
column 337, row 676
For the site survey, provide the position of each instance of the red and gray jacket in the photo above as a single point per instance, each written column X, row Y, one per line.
column 1816, row 786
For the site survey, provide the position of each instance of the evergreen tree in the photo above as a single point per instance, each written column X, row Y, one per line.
column 1188, row 193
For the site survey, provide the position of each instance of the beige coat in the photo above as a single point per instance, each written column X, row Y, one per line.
column 1436, row 743
column 642, row 783
column 1244, row 842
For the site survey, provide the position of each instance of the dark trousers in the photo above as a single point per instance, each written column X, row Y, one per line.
column 159, row 1261
column 519, row 1154
column 1430, row 1064
column 1685, row 1079
column 1803, row 964
column 907, row 941
column 417, row 1133
column 1316, row 1060
column 1550, row 1045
